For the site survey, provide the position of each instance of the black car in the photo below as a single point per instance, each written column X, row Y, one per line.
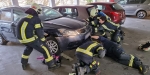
column 63, row 33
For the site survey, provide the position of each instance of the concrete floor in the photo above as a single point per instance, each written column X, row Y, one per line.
column 137, row 31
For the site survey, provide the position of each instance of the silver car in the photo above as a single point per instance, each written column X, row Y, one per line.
column 139, row 8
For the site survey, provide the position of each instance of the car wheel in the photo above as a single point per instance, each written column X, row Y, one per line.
column 3, row 41
column 141, row 14
column 53, row 45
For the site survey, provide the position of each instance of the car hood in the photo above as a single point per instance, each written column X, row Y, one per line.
column 63, row 22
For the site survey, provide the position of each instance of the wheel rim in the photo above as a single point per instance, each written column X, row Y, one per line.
column 0, row 39
column 53, row 46
column 141, row 14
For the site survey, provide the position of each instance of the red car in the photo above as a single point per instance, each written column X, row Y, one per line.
column 112, row 9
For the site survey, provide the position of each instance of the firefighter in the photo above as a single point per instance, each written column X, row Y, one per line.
column 84, row 54
column 117, row 53
column 30, row 33
column 112, row 28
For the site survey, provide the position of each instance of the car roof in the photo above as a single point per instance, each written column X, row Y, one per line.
column 102, row 3
column 86, row 6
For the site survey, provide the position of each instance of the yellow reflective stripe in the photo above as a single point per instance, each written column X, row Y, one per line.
column 99, row 48
column 96, row 30
column 131, row 60
column 27, row 40
column 84, row 51
column 118, row 39
column 93, row 23
column 91, row 46
column 23, row 28
column 94, row 62
column 103, row 34
column 43, row 39
column 49, row 58
column 25, row 56
column 114, row 24
column 29, row 16
column 37, row 26
column 105, row 27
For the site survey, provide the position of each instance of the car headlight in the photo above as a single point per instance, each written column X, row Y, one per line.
column 66, row 32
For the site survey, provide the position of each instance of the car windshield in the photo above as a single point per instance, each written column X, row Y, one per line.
column 116, row 7
column 49, row 14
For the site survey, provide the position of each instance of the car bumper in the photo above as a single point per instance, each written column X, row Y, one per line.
column 72, row 42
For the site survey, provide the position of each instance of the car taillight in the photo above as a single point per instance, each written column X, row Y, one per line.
column 116, row 15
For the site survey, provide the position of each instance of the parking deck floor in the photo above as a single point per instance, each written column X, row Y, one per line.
column 137, row 31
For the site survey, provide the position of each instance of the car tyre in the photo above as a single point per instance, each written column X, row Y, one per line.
column 141, row 14
column 3, row 41
column 53, row 45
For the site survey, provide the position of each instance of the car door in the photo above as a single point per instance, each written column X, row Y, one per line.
column 130, row 6
column 6, row 25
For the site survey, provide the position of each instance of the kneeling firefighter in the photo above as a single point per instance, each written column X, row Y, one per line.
column 30, row 33
column 117, row 53
column 84, row 54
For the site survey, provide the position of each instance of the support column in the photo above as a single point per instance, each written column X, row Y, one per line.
column 94, row 0
column 15, row 2
column 76, row 2
column 52, row 3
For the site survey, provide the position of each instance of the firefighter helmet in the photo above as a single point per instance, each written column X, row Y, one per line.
column 36, row 7
column 93, row 12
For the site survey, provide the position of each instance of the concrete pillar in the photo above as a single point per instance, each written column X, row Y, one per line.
column 94, row 0
column 15, row 2
column 76, row 2
column 52, row 3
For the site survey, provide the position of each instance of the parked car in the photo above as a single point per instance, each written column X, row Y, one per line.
column 63, row 33
column 112, row 9
column 76, row 11
column 139, row 8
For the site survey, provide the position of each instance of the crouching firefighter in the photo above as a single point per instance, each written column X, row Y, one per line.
column 84, row 54
column 30, row 33
column 117, row 53
column 114, row 29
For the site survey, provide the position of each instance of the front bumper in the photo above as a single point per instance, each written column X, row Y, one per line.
column 72, row 42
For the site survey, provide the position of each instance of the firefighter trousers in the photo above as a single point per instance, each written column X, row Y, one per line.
column 39, row 46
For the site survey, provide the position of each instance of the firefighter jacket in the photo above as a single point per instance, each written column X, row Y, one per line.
column 110, row 26
column 87, row 50
column 100, row 13
column 30, row 28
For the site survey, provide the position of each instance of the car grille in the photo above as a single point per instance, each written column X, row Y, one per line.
column 84, row 29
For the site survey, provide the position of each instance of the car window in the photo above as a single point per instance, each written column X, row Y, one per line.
column 145, row 1
column 133, row 1
column 122, row 2
column 101, row 7
column 116, row 7
column 89, row 9
column 18, row 14
column 6, row 15
column 70, row 12
column 49, row 13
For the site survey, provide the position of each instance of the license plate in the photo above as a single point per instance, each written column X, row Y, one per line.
column 87, row 35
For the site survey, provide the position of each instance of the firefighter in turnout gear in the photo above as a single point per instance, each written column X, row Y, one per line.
column 92, row 21
column 112, row 28
column 30, row 33
column 117, row 53
column 84, row 54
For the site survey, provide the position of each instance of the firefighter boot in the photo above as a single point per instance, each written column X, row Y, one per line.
column 144, row 69
column 58, row 61
column 97, row 71
column 25, row 63
column 74, row 67
column 81, row 70
column 51, row 65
